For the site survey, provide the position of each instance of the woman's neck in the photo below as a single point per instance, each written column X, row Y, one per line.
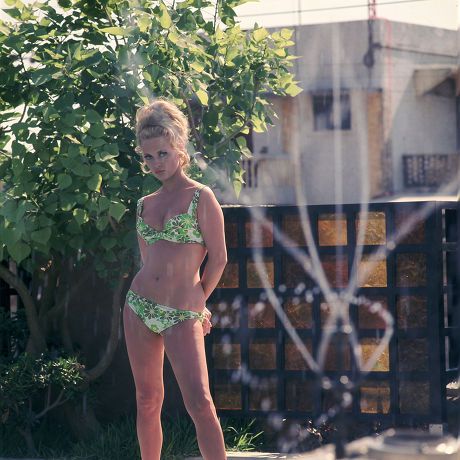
column 176, row 182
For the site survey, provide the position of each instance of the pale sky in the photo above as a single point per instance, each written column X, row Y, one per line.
column 272, row 13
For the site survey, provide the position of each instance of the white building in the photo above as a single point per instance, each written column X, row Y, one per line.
column 398, row 100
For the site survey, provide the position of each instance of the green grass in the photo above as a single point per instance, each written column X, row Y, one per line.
column 241, row 435
column 118, row 440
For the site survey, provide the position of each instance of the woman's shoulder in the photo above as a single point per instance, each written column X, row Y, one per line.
column 149, row 196
column 204, row 190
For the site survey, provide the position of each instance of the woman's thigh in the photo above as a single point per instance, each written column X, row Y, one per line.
column 146, row 354
column 184, row 346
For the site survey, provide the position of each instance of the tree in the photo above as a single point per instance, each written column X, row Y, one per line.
column 72, row 78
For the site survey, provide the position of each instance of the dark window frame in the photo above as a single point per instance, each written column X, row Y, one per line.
column 323, row 111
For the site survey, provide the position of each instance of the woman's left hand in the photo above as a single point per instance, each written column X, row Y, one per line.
column 207, row 321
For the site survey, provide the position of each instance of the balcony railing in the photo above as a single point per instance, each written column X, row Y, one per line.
column 429, row 170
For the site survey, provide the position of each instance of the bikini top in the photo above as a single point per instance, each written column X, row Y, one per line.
column 182, row 228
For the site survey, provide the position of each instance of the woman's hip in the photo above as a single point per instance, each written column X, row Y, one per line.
column 156, row 316
column 176, row 293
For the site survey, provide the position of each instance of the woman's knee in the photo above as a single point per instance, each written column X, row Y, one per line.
column 149, row 400
column 201, row 407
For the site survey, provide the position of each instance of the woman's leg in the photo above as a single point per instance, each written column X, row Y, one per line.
column 146, row 352
column 184, row 346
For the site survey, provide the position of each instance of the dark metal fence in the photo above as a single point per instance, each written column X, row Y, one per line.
column 255, row 369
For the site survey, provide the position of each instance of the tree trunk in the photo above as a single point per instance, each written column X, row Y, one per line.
column 26, row 433
column 112, row 343
column 37, row 342
column 81, row 419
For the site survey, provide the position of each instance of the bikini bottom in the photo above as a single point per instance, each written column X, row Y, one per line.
column 158, row 317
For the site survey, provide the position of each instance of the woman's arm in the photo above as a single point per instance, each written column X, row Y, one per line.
column 142, row 247
column 211, row 222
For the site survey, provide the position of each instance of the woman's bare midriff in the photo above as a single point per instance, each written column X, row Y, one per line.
column 170, row 275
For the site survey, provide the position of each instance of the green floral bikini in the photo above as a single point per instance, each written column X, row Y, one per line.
column 182, row 228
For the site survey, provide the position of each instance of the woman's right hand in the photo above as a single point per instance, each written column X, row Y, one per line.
column 207, row 321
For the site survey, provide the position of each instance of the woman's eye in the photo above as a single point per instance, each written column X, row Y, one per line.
column 147, row 157
column 162, row 153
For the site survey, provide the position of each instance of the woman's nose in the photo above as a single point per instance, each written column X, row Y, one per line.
column 156, row 160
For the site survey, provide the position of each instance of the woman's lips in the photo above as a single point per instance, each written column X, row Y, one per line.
column 158, row 172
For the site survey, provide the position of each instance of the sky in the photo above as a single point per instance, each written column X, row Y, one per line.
column 273, row 13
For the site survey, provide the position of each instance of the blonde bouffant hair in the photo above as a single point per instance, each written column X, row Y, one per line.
column 163, row 118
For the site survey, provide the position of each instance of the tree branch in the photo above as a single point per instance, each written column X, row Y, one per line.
column 245, row 122
column 47, row 299
column 56, row 403
column 195, row 132
column 60, row 305
column 112, row 342
column 38, row 339
column 215, row 15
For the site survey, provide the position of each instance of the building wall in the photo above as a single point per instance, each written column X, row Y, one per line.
column 388, row 118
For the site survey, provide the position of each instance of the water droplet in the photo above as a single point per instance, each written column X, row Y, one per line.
column 259, row 307
column 299, row 288
column 265, row 404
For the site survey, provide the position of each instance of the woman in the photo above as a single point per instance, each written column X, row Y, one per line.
column 165, row 306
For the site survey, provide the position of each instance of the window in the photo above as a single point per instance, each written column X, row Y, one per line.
column 323, row 111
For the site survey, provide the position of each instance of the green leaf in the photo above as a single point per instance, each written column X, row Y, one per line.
column 144, row 22
column 286, row 33
column 198, row 66
column 96, row 130
column 67, row 201
column 8, row 210
column 241, row 141
column 69, row 119
column 260, row 34
column 41, row 236
column 116, row 210
column 94, row 183
column 102, row 222
column 64, row 180
column 108, row 243
column 237, row 187
column 123, row 32
column 165, row 18
column 9, row 236
column 77, row 52
column 280, row 52
column 81, row 169
column 293, row 90
column 80, row 215
column 109, row 151
column 103, row 203
column 202, row 96
column 93, row 117
column 19, row 251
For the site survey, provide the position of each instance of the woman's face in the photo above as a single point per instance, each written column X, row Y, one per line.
column 161, row 157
